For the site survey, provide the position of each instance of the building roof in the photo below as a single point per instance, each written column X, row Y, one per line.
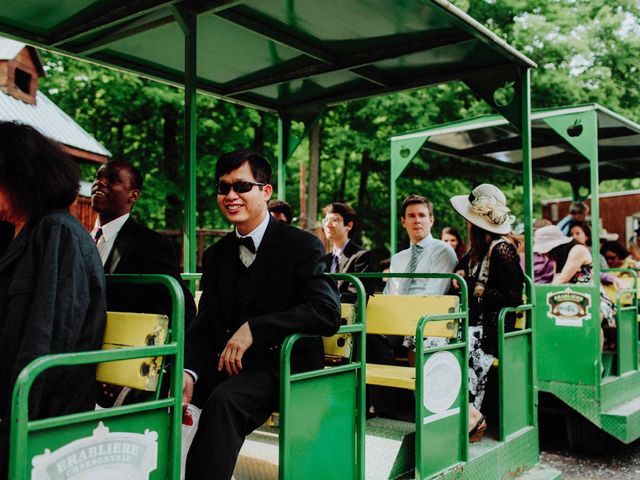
column 275, row 55
column 490, row 139
column 51, row 121
column 9, row 49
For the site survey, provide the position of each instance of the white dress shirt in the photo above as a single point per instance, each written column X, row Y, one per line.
column 247, row 256
column 436, row 257
column 109, row 233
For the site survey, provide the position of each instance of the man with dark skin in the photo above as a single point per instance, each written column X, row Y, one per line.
column 126, row 246
column 260, row 283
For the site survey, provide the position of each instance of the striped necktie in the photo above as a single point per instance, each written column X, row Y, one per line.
column 97, row 233
column 405, row 288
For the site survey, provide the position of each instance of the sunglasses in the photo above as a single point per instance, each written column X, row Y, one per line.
column 223, row 188
column 611, row 257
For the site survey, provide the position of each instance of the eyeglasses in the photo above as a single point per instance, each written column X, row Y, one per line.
column 331, row 220
column 223, row 188
column 611, row 257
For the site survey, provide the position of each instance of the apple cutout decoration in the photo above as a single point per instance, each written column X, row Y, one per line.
column 575, row 130
column 503, row 96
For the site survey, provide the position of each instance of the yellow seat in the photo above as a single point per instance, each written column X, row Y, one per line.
column 338, row 347
column 399, row 315
column 133, row 330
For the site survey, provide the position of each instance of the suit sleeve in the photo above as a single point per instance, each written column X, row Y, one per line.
column 317, row 306
column 160, row 260
column 363, row 262
column 198, row 337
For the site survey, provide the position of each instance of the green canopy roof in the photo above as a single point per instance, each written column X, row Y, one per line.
column 277, row 55
column 492, row 140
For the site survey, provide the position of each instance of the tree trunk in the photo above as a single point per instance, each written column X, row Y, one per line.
column 258, row 136
column 170, row 161
column 343, row 181
column 365, row 168
column 314, row 172
column 303, row 200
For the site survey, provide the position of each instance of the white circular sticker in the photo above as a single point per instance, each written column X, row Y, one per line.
column 442, row 380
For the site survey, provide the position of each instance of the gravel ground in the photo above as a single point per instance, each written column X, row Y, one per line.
column 622, row 463
column 615, row 461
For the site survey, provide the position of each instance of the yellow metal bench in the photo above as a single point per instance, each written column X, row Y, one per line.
column 399, row 315
column 126, row 329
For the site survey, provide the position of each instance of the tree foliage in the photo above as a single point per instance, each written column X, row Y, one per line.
column 586, row 51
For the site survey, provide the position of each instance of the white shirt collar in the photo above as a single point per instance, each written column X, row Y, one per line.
column 257, row 233
column 425, row 241
column 338, row 251
column 111, row 229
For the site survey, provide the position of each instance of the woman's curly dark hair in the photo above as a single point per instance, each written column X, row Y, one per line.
column 35, row 172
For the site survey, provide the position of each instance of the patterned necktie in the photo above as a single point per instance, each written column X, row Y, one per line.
column 334, row 263
column 97, row 233
column 405, row 288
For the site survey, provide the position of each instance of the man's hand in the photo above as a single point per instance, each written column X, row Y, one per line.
column 231, row 356
column 187, row 389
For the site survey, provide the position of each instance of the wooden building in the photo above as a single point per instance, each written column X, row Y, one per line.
column 619, row 212
column 21, row 101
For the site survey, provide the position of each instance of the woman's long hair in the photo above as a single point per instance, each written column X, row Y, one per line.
column 481, row 239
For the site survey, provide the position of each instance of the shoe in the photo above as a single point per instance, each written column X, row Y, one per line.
column 477, row 432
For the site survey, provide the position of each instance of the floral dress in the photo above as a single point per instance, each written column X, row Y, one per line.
column 503, row 283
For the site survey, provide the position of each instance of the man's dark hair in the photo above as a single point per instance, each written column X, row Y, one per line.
column 615, row 247
column 579, row 208
column 35, row 172
column 280, row 206
column 260, row 168
column 346, row 211
column 414, row 200
column 134, row 174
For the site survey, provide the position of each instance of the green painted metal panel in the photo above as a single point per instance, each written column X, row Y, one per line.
column 439, row 431
column 568, row 348
column 321, row 428
column 616, row 390
column 517, row 405
column 44, row 17
column 627, row 339
column 103, row 445
column 580, row 130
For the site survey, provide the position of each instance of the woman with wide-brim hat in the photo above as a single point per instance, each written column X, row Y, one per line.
column 495, row 281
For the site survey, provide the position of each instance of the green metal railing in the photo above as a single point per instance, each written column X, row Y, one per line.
column 22, row 428
column 430, row 461
column 327, row 403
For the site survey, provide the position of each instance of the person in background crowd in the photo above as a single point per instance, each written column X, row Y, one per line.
column 577, row 213
column 574, row 265
column 495, row 281
column 126, row 246
column 281, row 211
column 52, row 290
column 339, row 222
column 425, row 255
column 260, row 283
column 451, row 236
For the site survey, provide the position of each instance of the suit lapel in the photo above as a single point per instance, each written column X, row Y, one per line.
column 120, row 246
column 348, row 256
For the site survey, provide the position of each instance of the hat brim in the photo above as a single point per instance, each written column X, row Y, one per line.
column 548, row 245
column 461, row 204
column 609, row 237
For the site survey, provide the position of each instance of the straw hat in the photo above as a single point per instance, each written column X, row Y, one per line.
column 547, row 238
column 608, row 237
column 486, row 208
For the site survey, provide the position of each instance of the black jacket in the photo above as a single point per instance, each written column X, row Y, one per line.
column 138, row 249
column 52, row 300
column 285, row 292
column 354, row 259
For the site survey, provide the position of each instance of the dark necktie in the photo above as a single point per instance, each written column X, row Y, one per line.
column 334, row 263
column 97, row 233
column 247, row 242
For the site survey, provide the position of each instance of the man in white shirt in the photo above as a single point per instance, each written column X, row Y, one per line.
column 425, row 255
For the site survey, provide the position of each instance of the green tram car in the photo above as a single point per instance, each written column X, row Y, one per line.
column 595, row 391
column 295, row 58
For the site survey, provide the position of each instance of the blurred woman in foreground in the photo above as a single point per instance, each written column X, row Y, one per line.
column 52, row 291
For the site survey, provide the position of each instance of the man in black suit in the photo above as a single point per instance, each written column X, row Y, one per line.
column 260, row 283
column 339, row 221
column 126, row 246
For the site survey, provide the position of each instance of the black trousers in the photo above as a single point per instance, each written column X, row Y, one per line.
column 232, row 407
